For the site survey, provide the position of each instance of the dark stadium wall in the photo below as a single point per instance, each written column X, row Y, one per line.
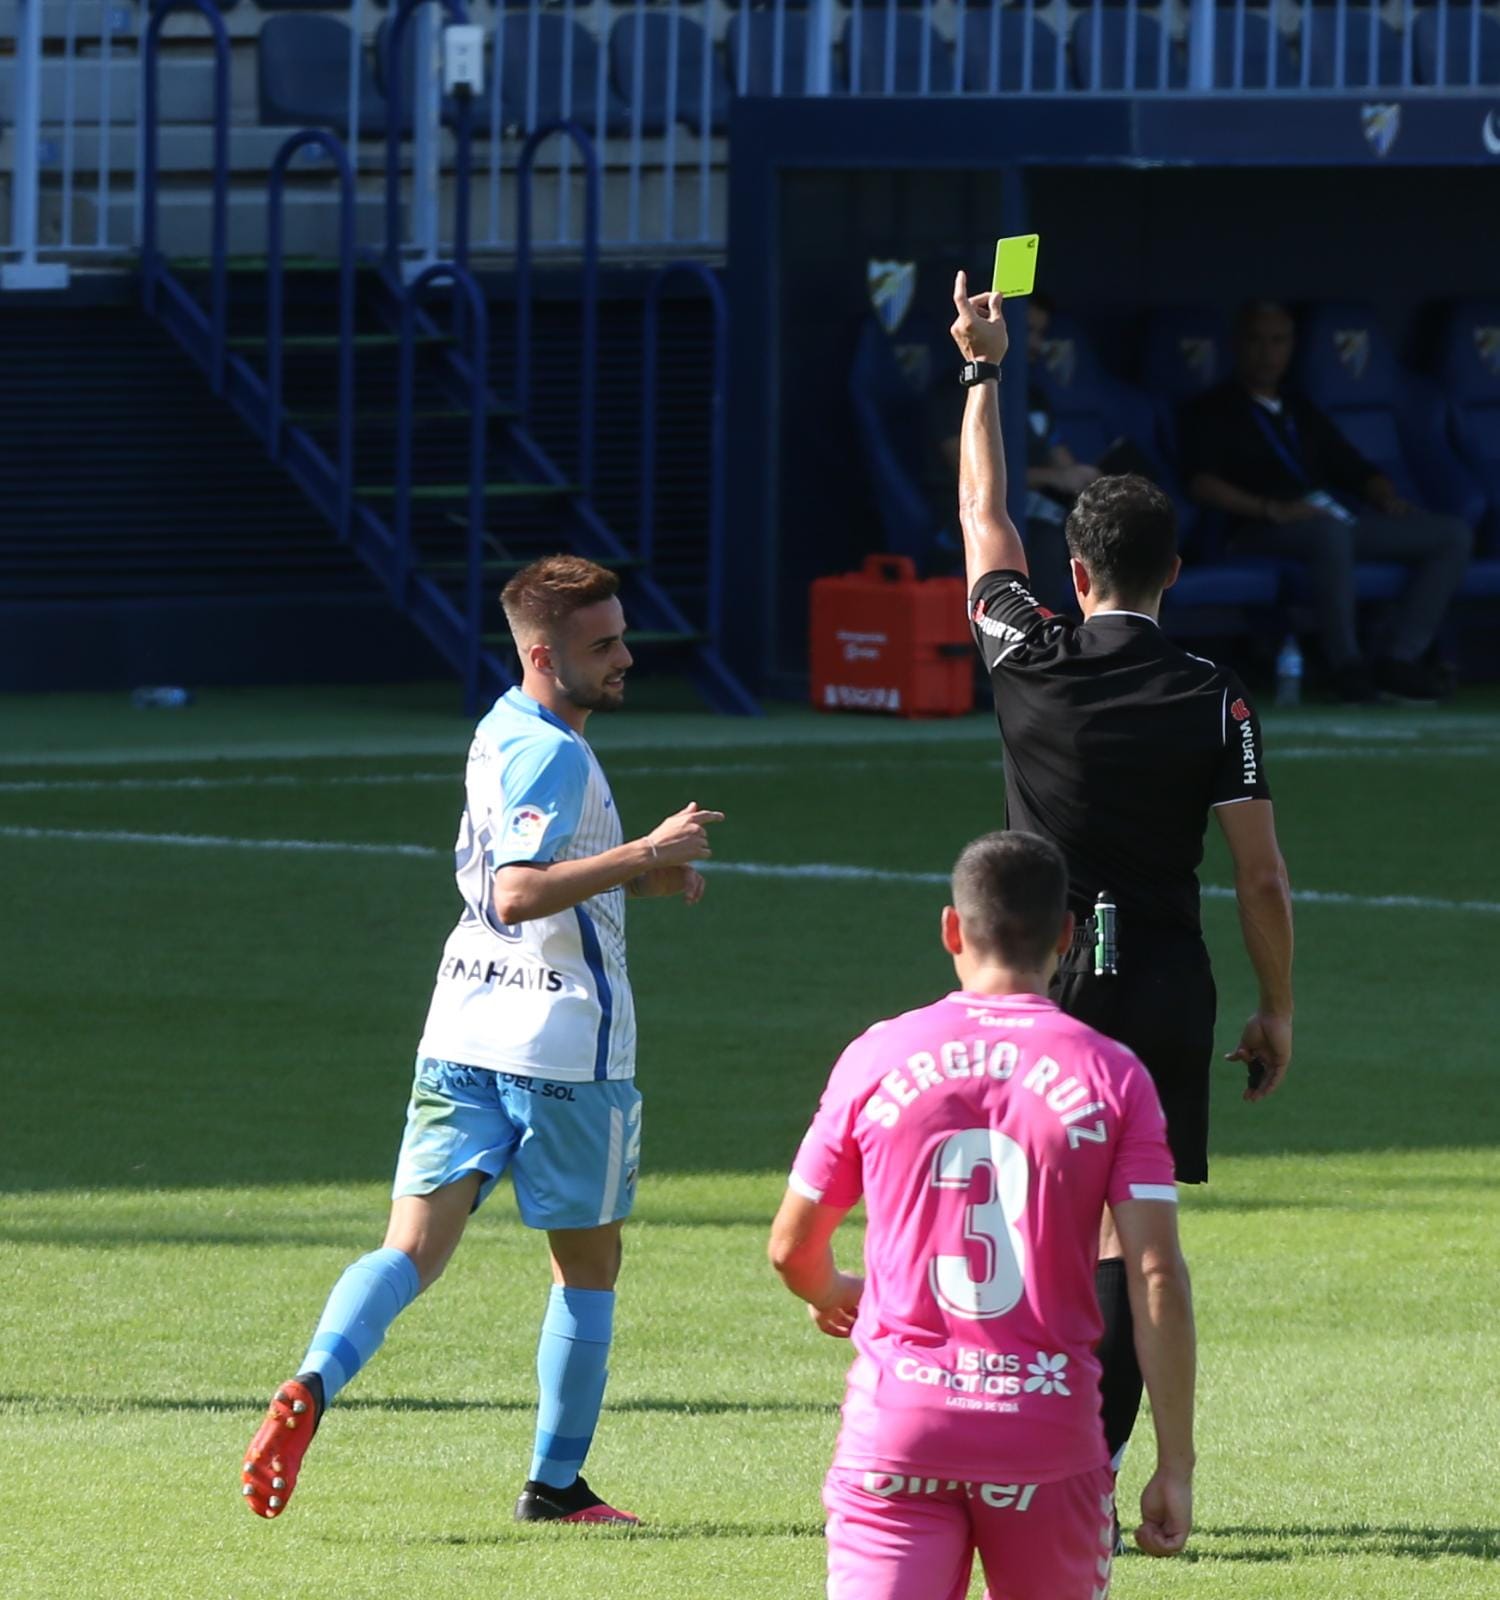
column 1115, row 243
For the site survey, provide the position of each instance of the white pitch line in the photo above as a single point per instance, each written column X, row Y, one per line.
column 453, row 776
column 824, row 871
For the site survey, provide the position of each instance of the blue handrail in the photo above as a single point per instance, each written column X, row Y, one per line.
column 151, row 267
column 718, row 427
column 477, row 327
column 275, row 303
column 394, row 90
column 525, row 162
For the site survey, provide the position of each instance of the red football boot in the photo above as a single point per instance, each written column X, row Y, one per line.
column 275, row 1455
column 540, row 1502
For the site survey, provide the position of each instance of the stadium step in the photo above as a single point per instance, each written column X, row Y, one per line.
column 330, row 341
column 460, row 491
column 387, row 414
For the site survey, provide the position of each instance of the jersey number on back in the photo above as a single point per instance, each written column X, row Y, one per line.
column 989, row 1225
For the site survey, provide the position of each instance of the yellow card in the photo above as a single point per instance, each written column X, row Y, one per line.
column 1015, row 264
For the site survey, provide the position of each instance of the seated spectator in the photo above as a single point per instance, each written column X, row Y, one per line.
column 1292, row 485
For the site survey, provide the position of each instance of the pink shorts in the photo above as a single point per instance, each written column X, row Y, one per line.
column 894, row 1537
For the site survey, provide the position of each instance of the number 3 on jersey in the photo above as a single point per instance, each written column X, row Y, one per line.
column 990, row 1224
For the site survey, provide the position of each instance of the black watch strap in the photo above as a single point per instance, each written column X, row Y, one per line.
column 973, row 372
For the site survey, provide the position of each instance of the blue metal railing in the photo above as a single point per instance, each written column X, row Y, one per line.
column 153, row 267
column 275, row 306
column 589, row 291
column 475, row 323
column 718, row 428
column 395, row 89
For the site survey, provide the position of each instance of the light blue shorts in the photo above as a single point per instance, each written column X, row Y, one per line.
column 573, row 1149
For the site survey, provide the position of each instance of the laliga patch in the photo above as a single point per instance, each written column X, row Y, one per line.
column 525, row 826
column 1239, row 711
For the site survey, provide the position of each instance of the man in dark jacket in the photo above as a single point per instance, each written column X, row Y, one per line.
column 1292, row 485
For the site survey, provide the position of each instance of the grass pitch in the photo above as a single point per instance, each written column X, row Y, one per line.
column 219, row 935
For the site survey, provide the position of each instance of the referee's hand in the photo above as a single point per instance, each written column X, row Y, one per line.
column 683, row 837
column 979, row 329
column 1266, row 1049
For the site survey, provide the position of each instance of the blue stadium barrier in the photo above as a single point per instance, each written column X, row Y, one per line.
column 1350, row 45
column 1117, row 49
column 315, row 138
column 551, row 69
column 895, row 52
column 1457, row 45
column 1009, row 50
column 664, row 67
column 767, row 51
column 1249, row 52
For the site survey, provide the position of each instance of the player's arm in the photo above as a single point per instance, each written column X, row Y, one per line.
column 1263, row 894
column 991, row 543
column 1161, row 1302
column 801, row 1250
column 525, row 890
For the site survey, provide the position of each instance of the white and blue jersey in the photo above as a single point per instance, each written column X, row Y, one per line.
column 547, row 998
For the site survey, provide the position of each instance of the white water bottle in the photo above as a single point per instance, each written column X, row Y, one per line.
column 1289, row 672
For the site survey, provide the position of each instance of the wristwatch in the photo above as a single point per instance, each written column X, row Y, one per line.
column 973, row 372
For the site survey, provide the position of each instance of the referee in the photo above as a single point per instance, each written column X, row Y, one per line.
column 1118, row 744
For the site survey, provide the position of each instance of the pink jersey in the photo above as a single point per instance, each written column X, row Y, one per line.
column 986, row 1136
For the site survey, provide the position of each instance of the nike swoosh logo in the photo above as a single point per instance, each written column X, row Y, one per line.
column 1491, row 134
column 609, row 805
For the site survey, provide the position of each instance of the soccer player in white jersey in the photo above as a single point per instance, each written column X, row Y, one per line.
column 986, row 1133
column 528, row 1057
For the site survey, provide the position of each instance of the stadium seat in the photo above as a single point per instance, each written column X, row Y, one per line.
column 563, row 86
column 449, row 110
column 299, row 5
column 644, row 44
column 889, row 413
column 1263, row 47
column 895, row 52
column 1090, row 408
column 1471, row 379
column 1363, row 67
column 1100, row 48
column 1396, row 420
column 751, row 42
column 993, row 44
column 1187, row 351
column 303, row 77
column 1459, row 53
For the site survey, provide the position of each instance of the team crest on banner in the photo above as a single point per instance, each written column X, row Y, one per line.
column 893, row 287
column 1382, row 126
column 1353, row 346
column 1060, row 358
column 1198, row 357
column 1487, row 342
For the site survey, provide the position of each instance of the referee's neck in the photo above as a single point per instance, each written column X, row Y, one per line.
column 1113, row 606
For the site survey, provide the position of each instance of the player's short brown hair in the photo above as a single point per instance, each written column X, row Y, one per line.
column 543, row 594
column 1011, row 893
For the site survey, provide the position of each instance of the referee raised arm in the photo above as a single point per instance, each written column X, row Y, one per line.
column 1118, row 744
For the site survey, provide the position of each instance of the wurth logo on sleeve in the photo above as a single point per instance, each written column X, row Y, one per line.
column 1249, row 760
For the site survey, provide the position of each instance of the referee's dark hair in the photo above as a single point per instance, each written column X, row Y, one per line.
column 1011, row 893
column 1124, row 530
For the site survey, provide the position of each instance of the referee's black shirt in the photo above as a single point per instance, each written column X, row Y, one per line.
column 1118, row 743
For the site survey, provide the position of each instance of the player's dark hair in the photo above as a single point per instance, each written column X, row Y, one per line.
column 1011, row 893
column 1124, row 530
column 542, row 594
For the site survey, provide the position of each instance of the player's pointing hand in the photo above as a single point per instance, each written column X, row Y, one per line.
column 683, row 837
column 979, row 329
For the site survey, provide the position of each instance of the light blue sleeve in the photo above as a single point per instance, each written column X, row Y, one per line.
column 542, row 785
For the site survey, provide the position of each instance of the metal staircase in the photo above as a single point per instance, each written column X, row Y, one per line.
column 430, row 475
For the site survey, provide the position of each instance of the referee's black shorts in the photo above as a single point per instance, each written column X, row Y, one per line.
column 1161, row 1004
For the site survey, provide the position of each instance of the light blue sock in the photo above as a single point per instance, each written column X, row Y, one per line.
column 572, row 1364
column 364, row 1303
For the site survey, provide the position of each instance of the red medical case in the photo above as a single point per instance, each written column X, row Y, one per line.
column 885, row 640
